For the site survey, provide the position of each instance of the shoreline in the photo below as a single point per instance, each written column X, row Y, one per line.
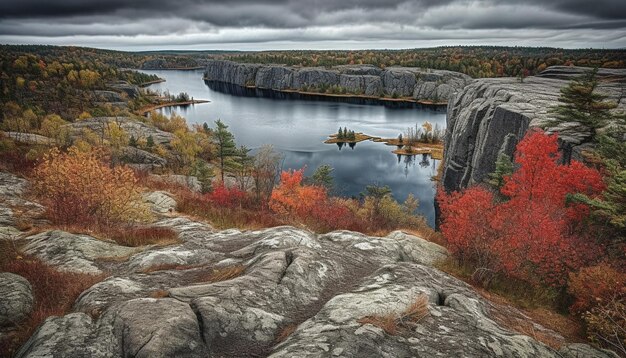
column 146, row 110
column 173, row 68
column 146, row 84
column 259, row 91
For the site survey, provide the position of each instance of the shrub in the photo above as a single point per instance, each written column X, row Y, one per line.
column 599, row 298
column 79, row 188
column 226, row 197
column 596, row 285
column 535, row 235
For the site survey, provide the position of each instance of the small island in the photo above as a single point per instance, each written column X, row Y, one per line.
column 424, row 139
column 158, row 101
column 348, row 136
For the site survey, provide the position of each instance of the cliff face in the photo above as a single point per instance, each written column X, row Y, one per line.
column 490, row 116
column 420, row 84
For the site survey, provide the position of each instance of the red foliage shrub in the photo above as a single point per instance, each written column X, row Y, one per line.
column 535, row 235
column 223, row 196
column 466, row 224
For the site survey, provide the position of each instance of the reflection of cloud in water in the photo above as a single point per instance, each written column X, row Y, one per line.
column 372, row 163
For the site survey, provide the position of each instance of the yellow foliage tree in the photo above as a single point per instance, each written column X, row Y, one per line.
column 53, row 126
column 79, row 188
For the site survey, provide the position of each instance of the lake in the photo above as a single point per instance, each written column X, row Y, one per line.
column 297, row 128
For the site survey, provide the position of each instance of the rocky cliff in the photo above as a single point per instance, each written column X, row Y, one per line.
column 490, row 116
column 278, row 292
column 416, row 83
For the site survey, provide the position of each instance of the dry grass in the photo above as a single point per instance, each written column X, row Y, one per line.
column 159, row 294
column 54, row 292
column 393, row 323
column 221, row 274
column 285, row 332
column 388, row 322
column 143, row 235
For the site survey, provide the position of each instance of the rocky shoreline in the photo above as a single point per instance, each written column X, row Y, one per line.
column 397, row 83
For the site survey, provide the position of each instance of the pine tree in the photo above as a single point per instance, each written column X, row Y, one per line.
column 225, row 143
column 323, row 176
column 132, row 141
column 504, row 167
column 150, row 141
column 340, row 134
column 579, row 102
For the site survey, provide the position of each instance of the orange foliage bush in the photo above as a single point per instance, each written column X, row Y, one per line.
column 310, row 205
column 291, row 197
column 80, row 188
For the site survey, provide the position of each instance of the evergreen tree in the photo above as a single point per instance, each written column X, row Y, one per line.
column 225, row 143
column 205, row 175
column 132, row 141
column 340, row 134
column 150, row 142
column 579, row 102
column 504, row 167
column 323, row 176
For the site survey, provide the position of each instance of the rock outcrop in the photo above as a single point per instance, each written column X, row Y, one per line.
column 16, row 299
column 133, row 127
column 419, row 84
column 178, row 301
column 490, row 116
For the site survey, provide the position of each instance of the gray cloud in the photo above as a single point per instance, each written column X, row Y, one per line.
column 204, row 22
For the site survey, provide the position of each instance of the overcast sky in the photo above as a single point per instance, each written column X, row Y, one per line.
column 312, row 24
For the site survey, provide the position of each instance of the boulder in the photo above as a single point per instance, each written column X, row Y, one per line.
column 160, row 202
column 191, row 182
column 16, row 299
column 71, row 252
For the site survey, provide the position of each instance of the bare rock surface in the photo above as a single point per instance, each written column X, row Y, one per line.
column 133, row 127
column 232, row 293
column 491, row 115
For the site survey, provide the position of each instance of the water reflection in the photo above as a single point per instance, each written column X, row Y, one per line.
column 299, row 127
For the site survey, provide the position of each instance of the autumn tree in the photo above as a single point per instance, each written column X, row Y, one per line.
column 537, row 233
column 291, row 197
column 79, row 188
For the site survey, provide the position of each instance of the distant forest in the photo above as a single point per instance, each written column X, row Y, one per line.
column 477, row 62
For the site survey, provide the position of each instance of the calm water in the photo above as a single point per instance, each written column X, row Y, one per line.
column 297, row 128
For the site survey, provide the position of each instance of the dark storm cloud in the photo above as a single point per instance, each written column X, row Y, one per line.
column 248, row 21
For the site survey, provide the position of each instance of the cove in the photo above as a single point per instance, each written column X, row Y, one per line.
column 297, row 127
